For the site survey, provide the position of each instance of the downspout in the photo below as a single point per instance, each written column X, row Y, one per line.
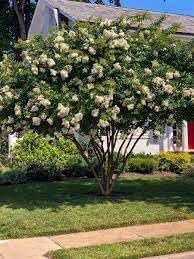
column 56, row 16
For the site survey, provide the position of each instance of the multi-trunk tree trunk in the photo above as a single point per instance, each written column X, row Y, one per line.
column 110, row 154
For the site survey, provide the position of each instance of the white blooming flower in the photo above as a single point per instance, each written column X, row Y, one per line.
column 64, row 74
column 95, row 113
column 157, row 133
column 177, row 74
column 131, row 71
column 91, row 79
column 167, row 88
column 90, row 86
column 119, row 43
column 43, row 116
column 28, row 59
column 74, row 98
column 10, row 120
column 45, row 102
column 63, row 47
column 36, row 121
column 78, row 117
column 36, row 90
column 103, row 123
column 34, row 108
column 35, row 62
column 34, row 70
column 51, row 62
column 92, row 51
column 97, row 69
column 76, row 126
column 6, row 88
column 105, row 22
column 99, row 99
column 169, row 75
column 165, row 103
column 85, row 59
column 65, row 123
column 72, row 34
column 62, row 111
column 136, row 82
column 143, row 102
column 43, row 58
column 59, row 38
column 42, row 70
column 17, row 110
column 53, row 72
column 50, row 121
column 57, row 56
column 158, row 80
column 117, row 66
column 116, row 109
column 128, row 59
column 148, row 71
column 73, row 55
column 9, row 95
column 186, row 92
column 109, row 34
column 130, row 107
column 155, row 64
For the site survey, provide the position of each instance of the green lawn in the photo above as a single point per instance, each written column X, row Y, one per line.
column 130, row 250
column 62, row 207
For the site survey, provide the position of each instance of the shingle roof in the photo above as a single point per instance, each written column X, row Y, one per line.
column 83, row 11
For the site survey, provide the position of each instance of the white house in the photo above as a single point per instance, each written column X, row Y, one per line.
column 51, row 13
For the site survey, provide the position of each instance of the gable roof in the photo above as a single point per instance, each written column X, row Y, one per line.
column 84, row 11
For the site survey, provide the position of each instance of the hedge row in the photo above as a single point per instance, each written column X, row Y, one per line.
column 38, row 159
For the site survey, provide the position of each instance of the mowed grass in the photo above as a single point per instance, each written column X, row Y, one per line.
column 38, row 209
column 130, row 250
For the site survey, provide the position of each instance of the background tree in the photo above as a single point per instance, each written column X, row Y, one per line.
column 126, row 82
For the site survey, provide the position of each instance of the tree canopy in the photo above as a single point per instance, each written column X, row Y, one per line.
column 97, row 83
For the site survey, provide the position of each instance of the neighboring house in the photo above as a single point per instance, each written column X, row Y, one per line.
column 50, row 14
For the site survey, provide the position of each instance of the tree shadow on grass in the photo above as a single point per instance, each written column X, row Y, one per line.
column 176, row 192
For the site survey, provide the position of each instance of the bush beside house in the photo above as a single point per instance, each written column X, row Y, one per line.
column 37, row 159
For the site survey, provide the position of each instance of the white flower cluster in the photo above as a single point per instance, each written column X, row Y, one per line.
column 103, row 123
column 95, row 113
column 188, row 92
column 109, row 34
column 119, row 43
column 114, row 112
column 62, row 111
column 64, row 74
column 17, row 110
column 6, row 92
column 97, row 69
column 103, row 101
column 105, row 22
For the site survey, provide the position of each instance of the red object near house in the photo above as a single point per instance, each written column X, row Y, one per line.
column 191, row 135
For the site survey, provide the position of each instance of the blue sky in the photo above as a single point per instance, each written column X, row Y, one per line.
column 170, row 6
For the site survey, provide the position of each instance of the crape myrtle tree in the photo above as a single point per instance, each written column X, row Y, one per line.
column 96, row 83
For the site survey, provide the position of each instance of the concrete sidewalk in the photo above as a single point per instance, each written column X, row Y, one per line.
column 185, row 255
column 36, row 248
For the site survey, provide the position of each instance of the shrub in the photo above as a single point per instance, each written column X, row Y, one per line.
column 142, row 164
column 173, row 162
column 12, row 176
column 47, row 160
